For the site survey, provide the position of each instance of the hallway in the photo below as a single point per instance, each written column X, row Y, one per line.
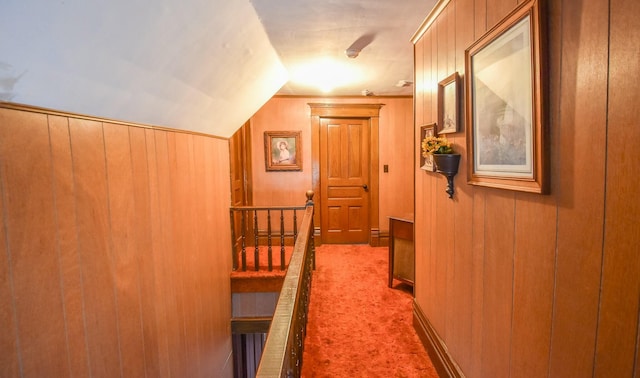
column 358, row 326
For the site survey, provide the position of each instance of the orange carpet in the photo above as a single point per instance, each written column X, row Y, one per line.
column 358, row 326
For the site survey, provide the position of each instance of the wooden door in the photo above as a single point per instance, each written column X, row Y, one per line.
column 344, row 171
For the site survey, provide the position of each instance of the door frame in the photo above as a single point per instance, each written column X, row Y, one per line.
column 344, row 110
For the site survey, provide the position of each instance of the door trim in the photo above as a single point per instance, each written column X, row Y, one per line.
column 371, row 112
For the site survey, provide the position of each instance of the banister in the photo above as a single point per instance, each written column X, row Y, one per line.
column 282, row 354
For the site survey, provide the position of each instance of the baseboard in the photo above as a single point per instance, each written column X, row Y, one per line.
column 442, row 361
column 374, row 238
column 383, row 239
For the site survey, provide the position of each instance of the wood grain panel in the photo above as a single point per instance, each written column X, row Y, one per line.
column 200, row 261
column 432, row 183
column 439, row 256
column 435, row 73
column 423, row 205
column 460, row 324
column 429, row 80
column 10, row 357
column 143, row 245
column 173, row 178
column 580, row 213
column 68, row 253
column 464, row 34
column 419, row 82
column 162, row 282
column 534, row 269
column 480, row 18
column 31, row 239
column 89, row 265
column 497, row 10
column 396, row 150
column 444, row 249
column 421, row 239
column 450, row 17
column 123, row 248
column 477, row 280
column 186, row 249
column 97, row 263
column 619, row 306
column 219, row 348
column 498, row 283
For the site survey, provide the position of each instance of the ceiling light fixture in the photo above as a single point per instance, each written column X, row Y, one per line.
column 325, row 74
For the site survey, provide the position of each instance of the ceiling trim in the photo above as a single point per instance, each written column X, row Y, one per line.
column 435, row 12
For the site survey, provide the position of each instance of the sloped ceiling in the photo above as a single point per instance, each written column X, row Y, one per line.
column 198, row 65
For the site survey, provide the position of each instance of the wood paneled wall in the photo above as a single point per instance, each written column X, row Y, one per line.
column 114, row 249
column 293, row 113
column 519, row 284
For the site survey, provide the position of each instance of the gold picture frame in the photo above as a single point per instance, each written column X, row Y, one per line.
column 283, row 150
column 426, row 163
column 449, row 104
column 504, row 107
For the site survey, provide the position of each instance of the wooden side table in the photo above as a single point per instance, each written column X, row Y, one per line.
column 401, row 250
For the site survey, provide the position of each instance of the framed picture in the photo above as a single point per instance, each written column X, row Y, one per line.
column 426, row 162
column 449, row 104
column 282, row 150
column 504, row 104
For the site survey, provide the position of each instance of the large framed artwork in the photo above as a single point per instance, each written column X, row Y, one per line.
column 282, row 151
column 504, row 107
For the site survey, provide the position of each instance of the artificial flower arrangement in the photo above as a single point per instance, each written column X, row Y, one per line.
column 436, row 145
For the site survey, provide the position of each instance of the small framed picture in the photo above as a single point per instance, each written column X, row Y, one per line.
column 282, row 150
column 449, row 104
column 426, row 160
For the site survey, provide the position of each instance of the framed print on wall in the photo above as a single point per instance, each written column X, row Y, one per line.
column 449, row 104
column 282, row 150
column 426, row 160
column 504, row 104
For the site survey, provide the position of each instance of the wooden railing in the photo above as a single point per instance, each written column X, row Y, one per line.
column 282, row 354
column 253, row 227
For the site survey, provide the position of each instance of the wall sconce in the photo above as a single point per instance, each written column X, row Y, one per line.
column 447, row 165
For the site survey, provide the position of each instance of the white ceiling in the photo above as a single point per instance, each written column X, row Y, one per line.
column 199, row 65
column 301, row 30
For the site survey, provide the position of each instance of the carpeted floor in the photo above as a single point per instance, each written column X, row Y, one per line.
column 358, row 326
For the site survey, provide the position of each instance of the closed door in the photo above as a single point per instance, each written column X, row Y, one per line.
column 344, row 171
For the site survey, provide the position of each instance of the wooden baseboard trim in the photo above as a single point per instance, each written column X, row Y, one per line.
column 383, row 239
column 442, row 361
column 374, row 238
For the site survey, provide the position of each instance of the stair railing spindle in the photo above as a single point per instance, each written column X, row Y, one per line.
column 281, row 239
column 269, row 252
column 256, row 253
column 243, row 238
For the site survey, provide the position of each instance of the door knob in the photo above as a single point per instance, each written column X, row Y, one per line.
column 365, row 187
